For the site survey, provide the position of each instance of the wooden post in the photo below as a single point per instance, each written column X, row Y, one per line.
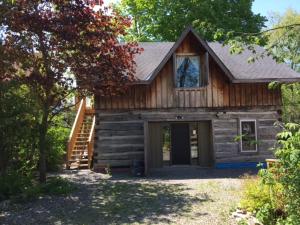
column 146, row 146
column 90, row 143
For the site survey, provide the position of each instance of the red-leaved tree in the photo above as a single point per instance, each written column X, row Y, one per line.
column 47, row 44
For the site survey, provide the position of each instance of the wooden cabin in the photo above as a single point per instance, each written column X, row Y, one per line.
column 194, row 104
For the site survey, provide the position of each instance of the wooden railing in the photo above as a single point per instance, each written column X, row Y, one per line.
column 90, row 142
column 75, row 129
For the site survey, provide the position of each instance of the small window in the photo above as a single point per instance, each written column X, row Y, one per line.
column 187, row 71
column 248, row 136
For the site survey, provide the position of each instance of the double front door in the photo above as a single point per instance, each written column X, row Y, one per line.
column 180, row 143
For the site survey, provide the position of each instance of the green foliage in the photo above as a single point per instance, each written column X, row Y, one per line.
column 266, row 214
column 275, row 197
column 18, row 187
column 18, row 131
column 255, row 195
column 285, row 42
column 57, row 186
column 57, row 138
column 291, row 102
column 165, row 20
column 264, row 200
column 13, row 184
column 288, row 153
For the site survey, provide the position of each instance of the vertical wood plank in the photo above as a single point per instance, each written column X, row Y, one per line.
column 248, row 94
column 243, row 94
column 186, row 98
column 158, row 91
column 181, row 98
column 153, row 95
column 214, row 90
column 237, row 94
column 253, row 94
column 226, row 94
column 259, row 94
column 164, row 89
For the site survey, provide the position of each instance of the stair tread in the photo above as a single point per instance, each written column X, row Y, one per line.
column 78, row 157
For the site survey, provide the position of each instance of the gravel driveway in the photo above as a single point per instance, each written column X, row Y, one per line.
column 181, row 195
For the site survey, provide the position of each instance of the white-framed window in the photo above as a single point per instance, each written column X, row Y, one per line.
column 188, row 71
column 248, row 133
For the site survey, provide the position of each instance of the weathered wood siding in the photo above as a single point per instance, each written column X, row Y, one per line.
column 226, row 128
column 118, row 142
column 120, row 135
column 219, row 92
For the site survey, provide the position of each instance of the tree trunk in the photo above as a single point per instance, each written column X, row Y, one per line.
column 42, row 147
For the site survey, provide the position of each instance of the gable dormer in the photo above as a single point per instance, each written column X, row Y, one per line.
column 191, row 64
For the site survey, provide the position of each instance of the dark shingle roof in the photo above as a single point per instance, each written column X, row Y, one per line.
column 151, row 57
column 265, row 69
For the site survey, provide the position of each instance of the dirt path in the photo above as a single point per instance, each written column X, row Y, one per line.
column 191, row 196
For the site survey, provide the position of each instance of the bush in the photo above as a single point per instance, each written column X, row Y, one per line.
column 21, row 188
column 287, row 173
column 255, row 195
column 265, row 201
column 275, row 198
column 57, row 186
column 56, row 141
column 13, row 184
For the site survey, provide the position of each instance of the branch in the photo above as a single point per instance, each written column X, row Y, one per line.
column 268, row 30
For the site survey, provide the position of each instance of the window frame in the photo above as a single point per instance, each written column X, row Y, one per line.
column 175, row 71
column 241, row 139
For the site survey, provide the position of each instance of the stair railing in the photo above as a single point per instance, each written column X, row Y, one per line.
column 75, row 129
column 90, row 143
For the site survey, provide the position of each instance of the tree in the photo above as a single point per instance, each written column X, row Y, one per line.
column 284, row 45
column 164, row 20
column 285, row 42
column 44, row 41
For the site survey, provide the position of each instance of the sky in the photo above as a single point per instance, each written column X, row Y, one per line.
column 265, row 7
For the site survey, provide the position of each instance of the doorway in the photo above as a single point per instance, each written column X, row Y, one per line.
column 180, row 144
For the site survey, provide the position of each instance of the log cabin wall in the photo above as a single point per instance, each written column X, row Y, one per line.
column 122, row 136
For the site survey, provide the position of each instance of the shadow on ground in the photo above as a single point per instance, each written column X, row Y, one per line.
column 122, row 199
column 190, row 172
column 109, row 202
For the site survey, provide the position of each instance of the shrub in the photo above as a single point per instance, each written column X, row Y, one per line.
column 265, row 201
column 255, row 195
column 57, row 186
column 13, row 184
column 22, row 188
column 57, row 138
column 287, row 173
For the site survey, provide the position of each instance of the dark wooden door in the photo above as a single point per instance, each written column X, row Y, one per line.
column 180, row 144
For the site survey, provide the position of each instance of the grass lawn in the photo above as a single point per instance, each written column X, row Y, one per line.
column 99, row 200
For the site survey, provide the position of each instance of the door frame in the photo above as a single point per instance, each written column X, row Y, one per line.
column 147, row 147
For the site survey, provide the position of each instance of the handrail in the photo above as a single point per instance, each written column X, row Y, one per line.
column 75, row 128
column 90, row 142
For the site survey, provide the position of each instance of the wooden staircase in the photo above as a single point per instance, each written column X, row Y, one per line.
column 81, row 139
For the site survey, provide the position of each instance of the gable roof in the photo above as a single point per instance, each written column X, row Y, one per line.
column 236, row 67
